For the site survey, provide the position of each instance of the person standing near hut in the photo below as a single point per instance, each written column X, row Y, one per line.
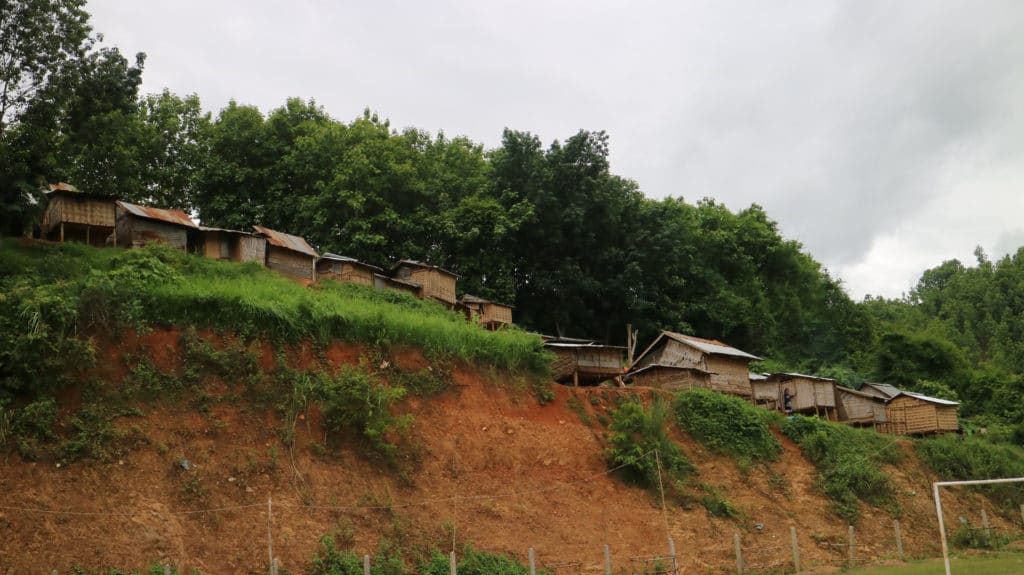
column 787, row 401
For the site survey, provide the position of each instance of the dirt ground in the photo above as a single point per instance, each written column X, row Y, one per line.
column 495, row 469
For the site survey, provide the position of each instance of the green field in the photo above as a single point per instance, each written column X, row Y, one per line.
column 1001, row 563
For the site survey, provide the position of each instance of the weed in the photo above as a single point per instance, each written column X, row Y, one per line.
column 716, row 504
column 954, row 459
column 543, row 393
column 969, row 537
column 93, row 435
column 576, row 406
column 474, row 562
column 727, row 424
column 637, row 435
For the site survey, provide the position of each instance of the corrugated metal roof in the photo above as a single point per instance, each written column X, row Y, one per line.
column 581, row 346
column 415, row 263
column 927, row 398
column 467, row 299
column 844, row 389
column 398, row 281
column 338, row 258
column 708, row 345
column 226, row 231
column 287, row 241
column 63, row 187
column 176, row 217
column 803, row 375
column 758, row 377
column 883, row 388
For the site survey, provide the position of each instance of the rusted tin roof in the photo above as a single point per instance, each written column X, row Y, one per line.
column 287, row 241
column 176, row 217
column 422, row 265
column 468, row 299
column 63, row 187
column 226, row 231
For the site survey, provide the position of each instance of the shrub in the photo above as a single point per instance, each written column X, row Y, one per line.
column 968, row 537
column 636, row 434
column 727, row 424
column 954, row 459
column 848, row 462
column 333, row 561
column 474, row 562
column 356, row 400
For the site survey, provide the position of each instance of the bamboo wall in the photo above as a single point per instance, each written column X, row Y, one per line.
column 909, row 415
column 436, row 284
column 135, row 232
column 290, row 263
column 858, row 409
column 729, row 375
column 495, row 313
column 79, row 219
column 252, row 249
column 673, row 379
column 671, row 352
column 346, row 272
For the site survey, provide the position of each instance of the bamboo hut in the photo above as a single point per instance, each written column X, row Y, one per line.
column 882, row 390
column 859, row 408
column 915, row 414
column 381, row 281
column 289, row 255
column 436, row 283
column 232, row 245
column 346, row 269
column 810, row 395
column 670, row 377
column 72, row 215
column 140, row 225
column 726, row 366
column 489, row 314
column 584, row 362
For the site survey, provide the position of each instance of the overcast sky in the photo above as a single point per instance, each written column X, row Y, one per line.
column 885, row 136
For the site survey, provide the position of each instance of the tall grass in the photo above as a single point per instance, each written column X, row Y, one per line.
column 727, row 424
column 955, row 459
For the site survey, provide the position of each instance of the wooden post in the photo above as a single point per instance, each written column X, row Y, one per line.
column 451, row 563
column 87, row 242
column 277, row 566
column 533, row 562
column 576, row 378
column 167, row 569
column 672, row 554
column 366, row 565
column 852, row 547
column 739, row 554
column 899, row 538
column 1022, row 513
column 607, row 560
column 984, row 523
column 62, row 232
column 796, row 549
column 270, row 539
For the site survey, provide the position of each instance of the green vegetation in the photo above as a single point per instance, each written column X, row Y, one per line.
column 639, row 442
column 987, row 564
column 333, row 561
column 727, row 424
column 156, row 569
column 473, row 562
column 954, row 459
column 849, row 462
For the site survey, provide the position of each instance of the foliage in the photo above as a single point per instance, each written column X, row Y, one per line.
column 356, row 400
column 960, row 459
column 637, row 435
column 473, row 562
column 333, row 561
column 971, row 537
column 848, row 461
column 727, row 424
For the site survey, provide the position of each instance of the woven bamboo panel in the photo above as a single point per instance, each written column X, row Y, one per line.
column 290, row 263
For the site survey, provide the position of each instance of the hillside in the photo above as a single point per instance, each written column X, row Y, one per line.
column 151, row 403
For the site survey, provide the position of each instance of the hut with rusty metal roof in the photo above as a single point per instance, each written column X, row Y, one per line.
column 140, row 225
column 436, row 283
column 289, row 255
column 858, row 408
column 346, row 269
column 73, row 215
column 726, row 366
column 232, row 245
column 584, row 362
column 487, row 313
column 909, row 413
column 881, row 390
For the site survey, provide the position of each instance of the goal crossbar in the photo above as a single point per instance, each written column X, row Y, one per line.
column 938, row 505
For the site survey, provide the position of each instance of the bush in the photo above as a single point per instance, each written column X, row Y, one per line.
column 636, row 434
column 333, row 561
column 955, row 459
column 848, row 462
column 474, row 562
column 727, row 424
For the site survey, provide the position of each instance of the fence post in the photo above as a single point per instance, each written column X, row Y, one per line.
column 1022, row 512
column 533, row 562
column 270, row 538
column 852, row 547
column 899, row 538
column 608, row 560
column 739, row 554
column 276, row 567
column 672, row 554
column 796, row 549
column 366, row 565
column 167, row 569
column 984, row 523
column 451, row 563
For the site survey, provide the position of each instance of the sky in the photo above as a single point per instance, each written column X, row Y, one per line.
column 886, row 137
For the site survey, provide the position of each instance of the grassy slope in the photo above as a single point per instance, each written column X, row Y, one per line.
column 67, row 289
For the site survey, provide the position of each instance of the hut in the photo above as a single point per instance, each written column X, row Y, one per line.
column 670, row 377
column 583, row 361
column 140, row 225
column 489, row 314
column 289, row 255
column 726, row 366
column 72, row 215
column 381, row 281
column 437, row 284
column 914, row 414
column 810, row 395
column 346, row 269
column 881, row 390
column 232, row 245
column 859, row 408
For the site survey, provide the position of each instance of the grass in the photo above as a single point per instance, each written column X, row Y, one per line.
column 998, row 563
column 954, row 459
column 727, row 424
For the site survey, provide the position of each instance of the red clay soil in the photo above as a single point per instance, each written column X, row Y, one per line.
column 496, row 470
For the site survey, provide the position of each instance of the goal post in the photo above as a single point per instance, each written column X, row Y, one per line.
column 938, row 506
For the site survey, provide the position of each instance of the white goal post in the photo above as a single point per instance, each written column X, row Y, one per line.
column 938, row 506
